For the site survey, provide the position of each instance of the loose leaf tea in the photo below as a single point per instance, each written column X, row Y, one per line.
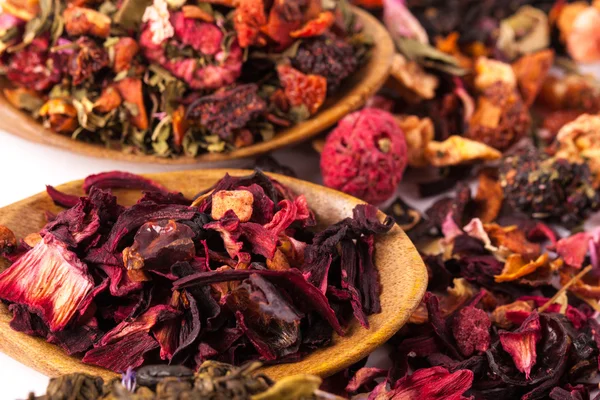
column 239, row 274
column 212, row 380
column 174, row 78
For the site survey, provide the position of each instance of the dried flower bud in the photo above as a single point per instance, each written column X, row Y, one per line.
column 157, row 15
column 418, row 133
column 59, row 115
column 490, row 72
column 410, row 79
column 81, row 21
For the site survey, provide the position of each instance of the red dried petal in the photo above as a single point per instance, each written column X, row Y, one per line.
column 301, row 89
column 471, row 329
column 521, row 344
column 284, row 18
column 364, row 376
column 573, row 249
column 315, row 27
column 435, row 383
column 50, row 280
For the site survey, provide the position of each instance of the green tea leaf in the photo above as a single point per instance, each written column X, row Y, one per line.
column 129, row 16
column 36, row 26
column 428, row 56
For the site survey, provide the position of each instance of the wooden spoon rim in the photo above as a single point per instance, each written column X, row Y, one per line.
column 373, row 74
column 402, row 273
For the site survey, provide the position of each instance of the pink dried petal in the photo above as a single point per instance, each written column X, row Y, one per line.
column 573, row 249
column 50, row 280
column 364, row 376
column 201, row 36
column 471, row 329
column 521, row 344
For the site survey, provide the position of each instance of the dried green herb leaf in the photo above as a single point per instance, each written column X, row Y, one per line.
column 428, row 56
column 160, row 137
column 525, row 32
column 129, row 16
column 36, row 26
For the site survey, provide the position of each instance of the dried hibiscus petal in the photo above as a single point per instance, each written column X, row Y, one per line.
column 521, row 344
column 50, row 280
column 121, row 180
column 435, row 383
column 272, row 323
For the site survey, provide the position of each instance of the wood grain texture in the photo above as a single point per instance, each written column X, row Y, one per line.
column 356, row 90
column 403, row 278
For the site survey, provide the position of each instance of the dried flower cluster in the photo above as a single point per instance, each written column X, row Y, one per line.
column 176, row 77
column 241, row 274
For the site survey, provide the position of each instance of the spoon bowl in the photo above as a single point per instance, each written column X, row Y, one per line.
column 403, row 278
column 356, row 90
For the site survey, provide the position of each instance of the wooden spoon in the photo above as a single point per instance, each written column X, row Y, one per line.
column 403, row 278
column 357, row 89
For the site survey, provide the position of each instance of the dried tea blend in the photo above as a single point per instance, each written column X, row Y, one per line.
column 174, row 78
column 212, row 380
column 239, row 274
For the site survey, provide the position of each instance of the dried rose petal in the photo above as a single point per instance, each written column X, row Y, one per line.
column 50, row 280
column 521, row 344
column 471, row 329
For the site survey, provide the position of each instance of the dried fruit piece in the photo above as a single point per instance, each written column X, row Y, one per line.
column 109, row 100
column 501, row 118
column 471, row 329
column 86, row 61
column 59, row 115
column 51, row 281
column 411, row 79
column 80, row 21
column 489, row 198
column 531, row 71
column 238, row 201
column 491, row 72
column 302, row 90
column 131, row 91
column 516, row 267
column 225, row 111
column 316, row 26
column 249, row 17
column 458, row 150
column 419, row 132
column 125, row 51
column 579, row 142
column 328, row 56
